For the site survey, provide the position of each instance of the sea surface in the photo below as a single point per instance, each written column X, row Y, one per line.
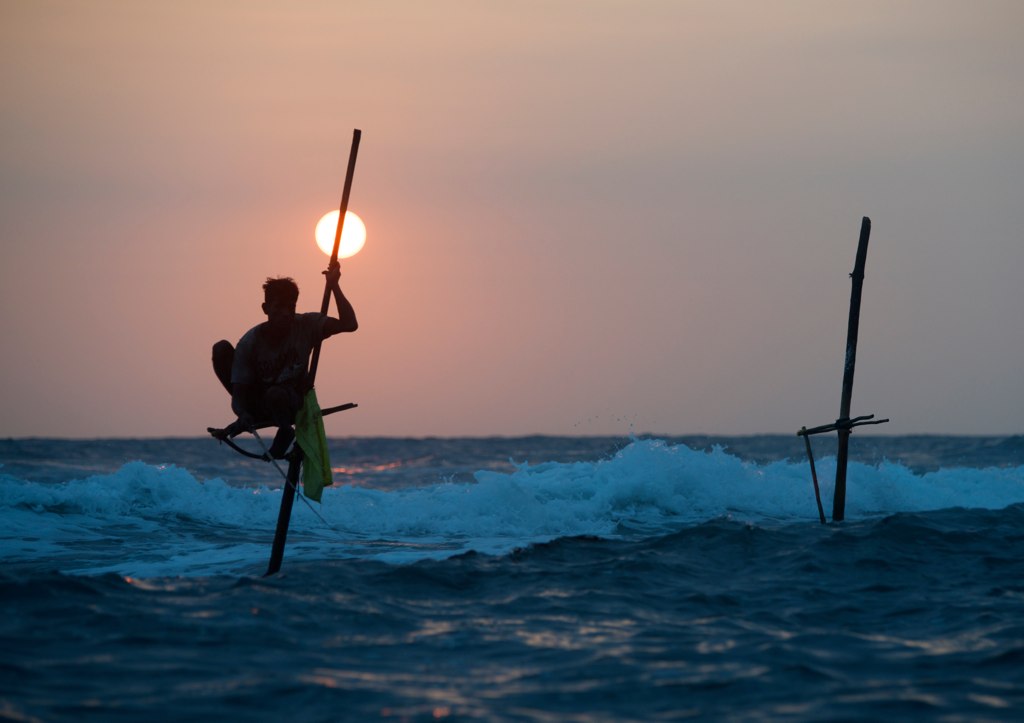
column 514, row 579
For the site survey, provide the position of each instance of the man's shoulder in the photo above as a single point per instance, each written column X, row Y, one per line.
column 251, row 337
column 310, row 320
column 308, row 328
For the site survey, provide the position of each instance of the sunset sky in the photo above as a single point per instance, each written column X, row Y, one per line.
column 587, row 217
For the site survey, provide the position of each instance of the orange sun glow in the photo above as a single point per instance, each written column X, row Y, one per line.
column 353, row 235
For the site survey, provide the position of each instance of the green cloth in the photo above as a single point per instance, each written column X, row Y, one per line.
column 312, row 440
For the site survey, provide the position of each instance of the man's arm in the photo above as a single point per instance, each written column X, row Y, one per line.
column 346, row 320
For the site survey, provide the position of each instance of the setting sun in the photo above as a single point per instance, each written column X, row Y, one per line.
column 353, row 235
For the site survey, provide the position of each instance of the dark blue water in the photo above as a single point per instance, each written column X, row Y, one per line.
column 514, row 579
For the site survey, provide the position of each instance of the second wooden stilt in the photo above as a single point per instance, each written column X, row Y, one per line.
column 852, row 329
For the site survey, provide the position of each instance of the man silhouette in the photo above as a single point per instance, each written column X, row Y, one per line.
column 266, row 373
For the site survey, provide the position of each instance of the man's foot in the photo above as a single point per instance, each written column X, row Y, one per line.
column 282, row 440
column 235, row 428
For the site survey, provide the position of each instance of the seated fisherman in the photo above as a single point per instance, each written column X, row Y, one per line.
column 266, row 373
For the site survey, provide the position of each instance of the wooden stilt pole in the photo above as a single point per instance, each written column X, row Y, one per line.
column 842, row 454
column 284, row 516
column 814, row 474
column 844, row 425
column 325, row 305
column 288, row 498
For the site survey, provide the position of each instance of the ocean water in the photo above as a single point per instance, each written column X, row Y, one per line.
column 520, row 579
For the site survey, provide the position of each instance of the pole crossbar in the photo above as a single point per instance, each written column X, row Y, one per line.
column 841, row 424
column 227, row 434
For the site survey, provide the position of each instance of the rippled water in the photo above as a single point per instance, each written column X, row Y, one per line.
column 530, row 579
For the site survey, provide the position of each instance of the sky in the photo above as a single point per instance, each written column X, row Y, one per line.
column 584, row 217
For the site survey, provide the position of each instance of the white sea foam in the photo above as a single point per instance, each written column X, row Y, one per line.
column 158, row 520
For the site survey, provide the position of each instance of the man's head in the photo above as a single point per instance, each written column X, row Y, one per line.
column 279, row 298
column 282, row 290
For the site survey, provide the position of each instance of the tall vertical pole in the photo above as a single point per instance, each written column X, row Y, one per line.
column 842, row 455
column 349, row 173
column 284, row 516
